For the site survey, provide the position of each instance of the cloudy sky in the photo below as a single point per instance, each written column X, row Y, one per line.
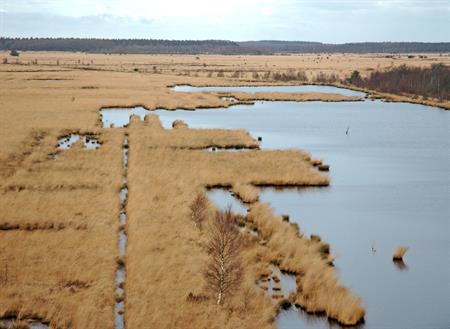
column 333, row 21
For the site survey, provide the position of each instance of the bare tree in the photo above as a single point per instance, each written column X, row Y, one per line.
column 223, row 272
column 198, row 209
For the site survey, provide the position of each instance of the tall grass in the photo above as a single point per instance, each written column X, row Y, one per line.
column 318, row 287
column 246, row 192
column 399, row 253
column 198, row 209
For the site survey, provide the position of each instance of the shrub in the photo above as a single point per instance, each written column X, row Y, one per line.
column 355, row 78
column 198, row 209
column 431, row 81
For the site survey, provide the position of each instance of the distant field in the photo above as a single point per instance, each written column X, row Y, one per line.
column 245, row 65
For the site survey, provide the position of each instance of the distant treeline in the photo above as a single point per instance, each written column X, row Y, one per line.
column 154, row 46
column 432, row 81
column 136, row 46
column 361, row 47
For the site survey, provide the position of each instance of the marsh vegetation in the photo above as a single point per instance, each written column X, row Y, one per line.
column 62, row 249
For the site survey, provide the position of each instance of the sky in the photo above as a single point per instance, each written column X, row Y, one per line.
column 330, row 21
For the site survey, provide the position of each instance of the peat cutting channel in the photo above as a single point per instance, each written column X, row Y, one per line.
column 122, row 241
column 389, row 187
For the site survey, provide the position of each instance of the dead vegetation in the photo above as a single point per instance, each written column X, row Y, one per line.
column 66, row 276
column 182, row 172
column 41, row 225
column 296, row 97
column 177, row 124
column 399, row 253
column 55, row 212
column 318, row 288
column 246, row 193
column 198, row 209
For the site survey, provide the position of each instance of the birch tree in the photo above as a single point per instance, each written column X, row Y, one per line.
column 198, row 209
column 223, row 270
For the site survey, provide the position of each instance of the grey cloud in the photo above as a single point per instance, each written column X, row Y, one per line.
column 45, row 25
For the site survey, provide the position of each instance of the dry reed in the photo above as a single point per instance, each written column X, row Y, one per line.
column 245, row 192
column 399, row 253
column 78, row 191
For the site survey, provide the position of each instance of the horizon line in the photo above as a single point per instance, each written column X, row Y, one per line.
column 224, row 40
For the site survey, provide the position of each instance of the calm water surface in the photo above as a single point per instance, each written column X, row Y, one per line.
column 390, row 186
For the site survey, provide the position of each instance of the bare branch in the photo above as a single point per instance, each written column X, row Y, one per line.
column 223, row 272
column 198, row 209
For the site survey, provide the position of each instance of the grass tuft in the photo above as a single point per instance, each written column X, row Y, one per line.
column 399, row 253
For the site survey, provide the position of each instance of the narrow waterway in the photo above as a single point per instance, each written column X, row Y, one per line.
column 122, row 242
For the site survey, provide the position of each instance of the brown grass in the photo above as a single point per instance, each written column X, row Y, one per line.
column 318, row 287
column 187, row 69
column 66, row 276
column 177, row 124
column 198, row 209
column 161, row 178
column 296, row 97
column 245, row 192
column 54, row 214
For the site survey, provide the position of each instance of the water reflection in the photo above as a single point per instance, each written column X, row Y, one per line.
column 401, row 265
column 296, row 318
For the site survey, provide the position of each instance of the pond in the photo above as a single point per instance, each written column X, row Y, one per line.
column 89, row 142
column 223, row 199
column 389, row 187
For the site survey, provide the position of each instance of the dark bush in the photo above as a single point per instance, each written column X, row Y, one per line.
column 428, row 82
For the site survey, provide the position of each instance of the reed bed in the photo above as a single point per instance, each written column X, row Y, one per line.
column 55, row 214
column 318, row 287
column 60, row 215
column 246, row 192
column 163, row 184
